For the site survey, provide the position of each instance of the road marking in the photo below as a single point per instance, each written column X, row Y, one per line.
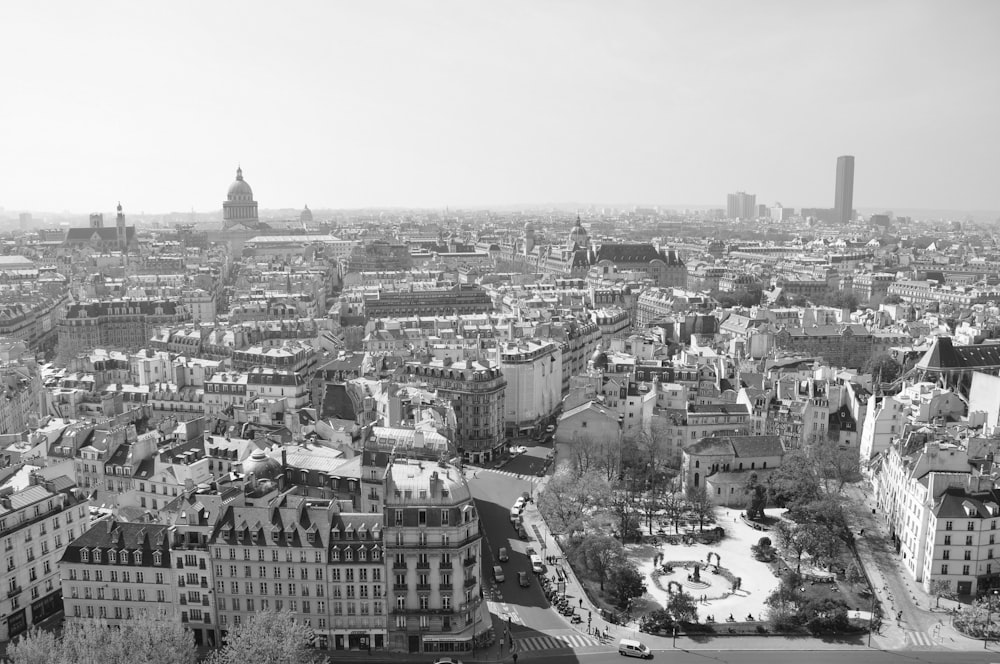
column 555, row 642
column 521, row 476
column 917, row 639
column 505, row 611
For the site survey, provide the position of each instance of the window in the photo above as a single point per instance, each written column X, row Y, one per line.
column 444, row 517
column 421, row 517
column 946, row 555
column 971, row 525
column 84, row 556
column 965, row 570
column 944, row 569
column 947, row 540
column 968, row 540
column 947, row 525
column 968, row 555
column 399, row 517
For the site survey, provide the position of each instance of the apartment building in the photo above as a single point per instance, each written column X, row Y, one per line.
column 433, row 549
column 36, row 525
column 477, row 390
column 533, row 370
column 116, row 571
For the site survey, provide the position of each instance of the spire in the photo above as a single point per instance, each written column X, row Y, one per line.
column 239, row 172
column 119, row 207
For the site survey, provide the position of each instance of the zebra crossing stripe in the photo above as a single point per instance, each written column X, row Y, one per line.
column 918, row 638
column 554, row 642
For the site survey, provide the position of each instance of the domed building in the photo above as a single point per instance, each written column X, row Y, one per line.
column 239, row 208
column 262, row 467
column 306, row 216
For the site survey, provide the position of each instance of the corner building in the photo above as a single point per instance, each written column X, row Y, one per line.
column 434, row 552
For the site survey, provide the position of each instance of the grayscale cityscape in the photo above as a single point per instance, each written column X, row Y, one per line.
column 500, row 332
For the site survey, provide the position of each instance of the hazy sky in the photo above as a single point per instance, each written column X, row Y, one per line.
column 346, row 104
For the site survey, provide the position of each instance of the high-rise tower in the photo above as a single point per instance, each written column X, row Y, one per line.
column 844, row 198
column 121, row 231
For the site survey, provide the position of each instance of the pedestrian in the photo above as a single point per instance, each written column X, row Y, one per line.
column 581, row 602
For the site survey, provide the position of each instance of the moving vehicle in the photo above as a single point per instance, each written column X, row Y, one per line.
column 447, row 660
column 632, row 648
column 502, row 555
column 522, row 579
column 498, row 574
column 536, row 563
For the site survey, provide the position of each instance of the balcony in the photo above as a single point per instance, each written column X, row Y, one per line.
column 399, row 564
column 183, row 600
column 180, row 583
column 204, row 601
column 469, row 562
column 423, row 564
column 423, row 587
column 400, row 586
column 204, row 583
column 415, row 612
column 470, row 582
column 16, row 590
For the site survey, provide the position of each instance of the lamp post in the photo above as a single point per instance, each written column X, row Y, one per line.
column 989, row 616
column 871, row 619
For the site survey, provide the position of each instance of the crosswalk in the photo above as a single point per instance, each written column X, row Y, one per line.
column 551, row 642
column 918, row 639
column 534, row 479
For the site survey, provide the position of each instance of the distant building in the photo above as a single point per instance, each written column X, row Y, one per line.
column 240, row 208
column 741, row 206
column 844, row 198
column 100, row 240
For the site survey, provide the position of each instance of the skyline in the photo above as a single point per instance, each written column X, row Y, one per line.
column 433, row 105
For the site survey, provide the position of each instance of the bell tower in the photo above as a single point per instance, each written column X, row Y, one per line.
column 120, row 226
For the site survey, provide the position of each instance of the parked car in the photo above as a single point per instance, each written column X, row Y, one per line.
column 522, row 579
column 447, row 660
column 502, row 555
column 498, row 574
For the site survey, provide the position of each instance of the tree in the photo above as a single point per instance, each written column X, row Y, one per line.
column 651, row 503
column 940, row 588
column 795, row 481
column 682, row 607
column 35, row 646
column 882, row 368
column 566, row 500
column 656, row 621
column 836, row 466
column 757, row 497
column 597, row 555
column 626, row 583
column 146, row 638
column 672, row 505
column 794, row 539
column 701, row 504
column 855, row 576
column 892, row 299
column 267, row 637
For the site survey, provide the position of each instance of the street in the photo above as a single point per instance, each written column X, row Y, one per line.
column 776, row 657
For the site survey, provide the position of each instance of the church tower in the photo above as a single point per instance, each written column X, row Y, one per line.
column 122, row 235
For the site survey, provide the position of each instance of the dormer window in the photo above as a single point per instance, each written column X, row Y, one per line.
column 157, row 558
column 376, row 553
column 311, row 537
column 274, row 535
column 112, row 557
column 336, row 534
column 137, row 557
column 362, row 554
column 84, row 556
column 253, row 537
column 97, row 555
column 334, row 553
column 349, row 554
column 227, row 532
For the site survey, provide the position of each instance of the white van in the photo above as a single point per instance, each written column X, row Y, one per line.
column 536, row 563
column 630, row 648
column 515, row 515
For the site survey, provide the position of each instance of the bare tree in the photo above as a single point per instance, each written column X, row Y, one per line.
column 267, row 637
column 700, row 503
